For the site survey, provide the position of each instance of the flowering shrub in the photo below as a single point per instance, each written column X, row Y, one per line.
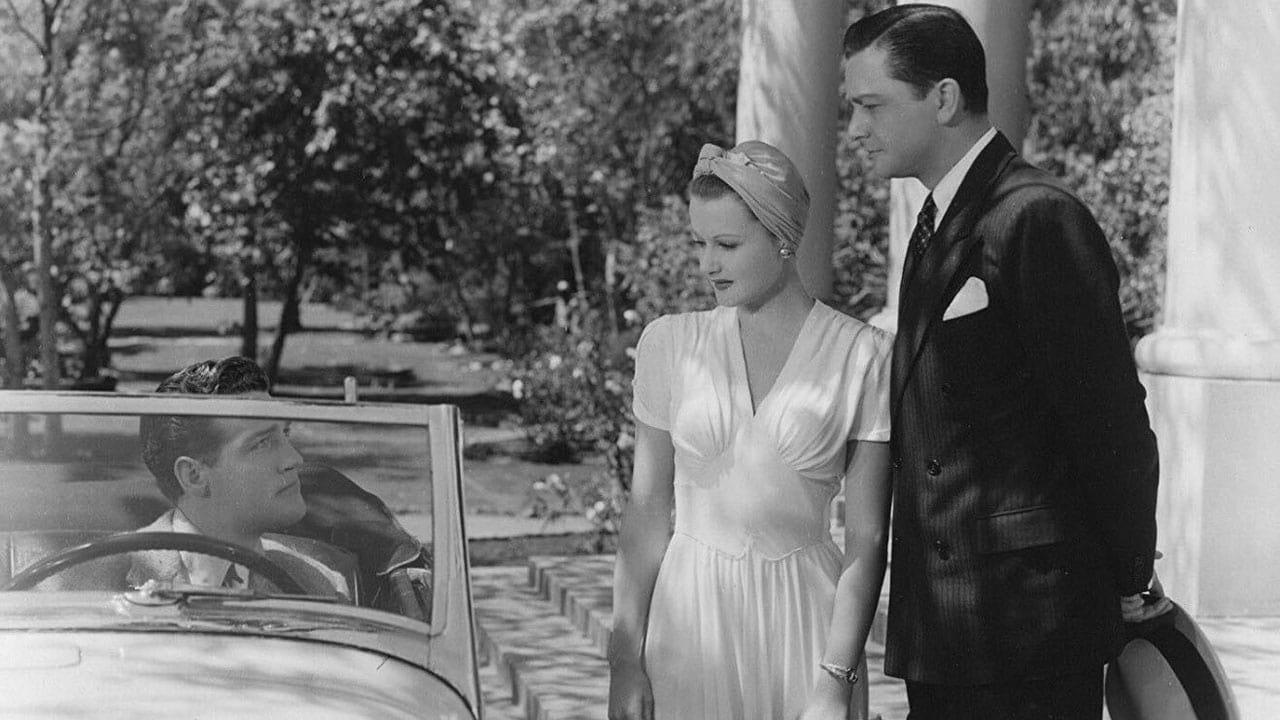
column 574, row 389
column 596, row 498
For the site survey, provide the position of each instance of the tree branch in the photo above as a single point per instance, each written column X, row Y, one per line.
column 17, row 23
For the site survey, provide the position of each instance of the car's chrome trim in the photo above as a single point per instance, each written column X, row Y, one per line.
column 267, row 617
column 90, row 403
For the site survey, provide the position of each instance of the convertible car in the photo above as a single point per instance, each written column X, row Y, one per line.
column 81, row 637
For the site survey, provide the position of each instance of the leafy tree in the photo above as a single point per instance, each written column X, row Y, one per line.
column 85, row 126
column 50, row 28
column 356, row 124
column 620, row 95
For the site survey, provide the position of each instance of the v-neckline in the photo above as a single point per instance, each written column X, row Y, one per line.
column 742, row 390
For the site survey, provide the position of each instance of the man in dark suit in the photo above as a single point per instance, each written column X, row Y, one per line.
column 1024, row 467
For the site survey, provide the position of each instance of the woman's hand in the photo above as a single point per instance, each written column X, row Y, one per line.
column 630, row 695
column 829, row 699
column 642, row 541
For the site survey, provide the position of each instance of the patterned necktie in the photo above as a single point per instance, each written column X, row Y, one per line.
column 924, row 227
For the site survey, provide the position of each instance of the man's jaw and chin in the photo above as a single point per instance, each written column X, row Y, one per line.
column 282, row 510
column 878, row 165
column 292, row 495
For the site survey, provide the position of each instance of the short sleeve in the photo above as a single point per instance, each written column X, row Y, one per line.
column 651, row 401
column 870, row 397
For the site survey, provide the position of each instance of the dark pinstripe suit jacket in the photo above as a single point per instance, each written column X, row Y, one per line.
column 1024, row 467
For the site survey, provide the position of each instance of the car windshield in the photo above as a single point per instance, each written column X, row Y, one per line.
column 298, row 502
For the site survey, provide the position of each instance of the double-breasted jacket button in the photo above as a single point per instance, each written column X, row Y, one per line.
column 947, row 388
column 943, row 548
column 897, row 462
column 934, row 468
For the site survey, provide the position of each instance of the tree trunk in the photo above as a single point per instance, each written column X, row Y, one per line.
column 10, row 327
column 575, row 250
column 289, row 316
column 42, row 239
column 47, row 338
column 91, row 362
column 249, row 321
column 464, row 309
column 97, row 351
column 14, row 359
column 611, row 287
column 41, row 232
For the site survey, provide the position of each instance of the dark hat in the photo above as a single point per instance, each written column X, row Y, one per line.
column 1169, row 671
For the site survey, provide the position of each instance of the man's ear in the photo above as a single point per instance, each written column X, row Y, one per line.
column 950, row 101
column 192, row 476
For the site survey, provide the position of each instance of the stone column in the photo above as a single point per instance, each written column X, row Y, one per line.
column 1004, row 28
column 788, row 95
column 1212, row 369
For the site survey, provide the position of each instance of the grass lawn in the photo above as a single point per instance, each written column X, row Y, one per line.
column 436, row 365
column 201, row 316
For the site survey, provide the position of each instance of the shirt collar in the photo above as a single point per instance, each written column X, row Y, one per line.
column 203, row 569
column 945, row 191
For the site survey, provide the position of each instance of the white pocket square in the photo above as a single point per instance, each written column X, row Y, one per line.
column 971, row 298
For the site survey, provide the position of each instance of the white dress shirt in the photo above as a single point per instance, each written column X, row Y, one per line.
column 206, row 570
column 945, row 191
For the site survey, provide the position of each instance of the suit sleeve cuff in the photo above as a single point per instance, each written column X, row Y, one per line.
column 1136, row 575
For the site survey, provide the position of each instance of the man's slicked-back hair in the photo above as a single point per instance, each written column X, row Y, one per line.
column 165, row 438
column 924, row 44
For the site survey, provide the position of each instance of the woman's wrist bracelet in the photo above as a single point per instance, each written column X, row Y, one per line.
column 840, row 672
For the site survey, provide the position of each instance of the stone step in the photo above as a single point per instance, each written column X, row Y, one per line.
column 581, row 588
column 495, row 694
column 544, row 666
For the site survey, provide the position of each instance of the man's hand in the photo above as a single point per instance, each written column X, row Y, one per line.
column 1136, row 608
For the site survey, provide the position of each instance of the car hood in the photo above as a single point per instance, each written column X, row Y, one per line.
column 94, row 654
column 319, row 621
column 107, row 674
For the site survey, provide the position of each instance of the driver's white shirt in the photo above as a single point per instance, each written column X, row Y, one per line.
column 199, row 569
column 207, row 570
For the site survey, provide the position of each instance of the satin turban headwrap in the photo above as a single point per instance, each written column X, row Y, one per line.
column 767, row 182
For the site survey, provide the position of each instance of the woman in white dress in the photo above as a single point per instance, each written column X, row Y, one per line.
column 749, row 417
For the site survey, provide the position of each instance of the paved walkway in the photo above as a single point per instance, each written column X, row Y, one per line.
column 544, row 627
column 1249, row 649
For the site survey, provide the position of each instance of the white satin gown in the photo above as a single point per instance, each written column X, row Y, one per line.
column 743, row 599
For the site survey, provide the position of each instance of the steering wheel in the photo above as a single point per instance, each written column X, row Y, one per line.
column 128, row 542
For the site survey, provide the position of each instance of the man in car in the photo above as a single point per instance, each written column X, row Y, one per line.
column 234, row 479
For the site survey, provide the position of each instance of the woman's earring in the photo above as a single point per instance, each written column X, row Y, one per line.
column 786, row 252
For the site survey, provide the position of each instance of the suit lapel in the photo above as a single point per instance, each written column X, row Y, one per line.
column 933, row 274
